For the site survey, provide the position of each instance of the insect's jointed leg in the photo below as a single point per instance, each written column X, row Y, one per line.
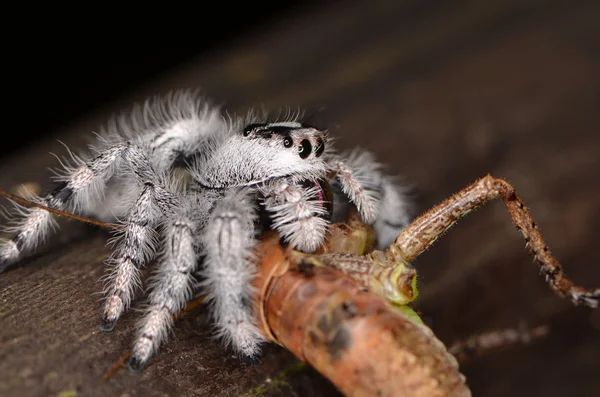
column 229, row 270
column 427, row 228
column 480, row 344
column 297, row 212
column 172, row 284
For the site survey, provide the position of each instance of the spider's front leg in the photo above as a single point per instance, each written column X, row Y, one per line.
column 299, row 211
column 230, row 267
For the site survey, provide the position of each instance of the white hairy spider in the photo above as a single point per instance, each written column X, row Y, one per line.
column 245, row 174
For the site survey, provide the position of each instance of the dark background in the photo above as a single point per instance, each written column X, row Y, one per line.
column 62, row 66
column 442, row 93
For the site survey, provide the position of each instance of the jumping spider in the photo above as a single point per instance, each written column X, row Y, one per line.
column 244, row 175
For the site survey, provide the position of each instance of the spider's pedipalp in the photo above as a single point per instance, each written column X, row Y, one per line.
column 229, row 270
column 299, row 213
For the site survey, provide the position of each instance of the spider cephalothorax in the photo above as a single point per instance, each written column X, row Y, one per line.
column 263, row 152
column 245, row 175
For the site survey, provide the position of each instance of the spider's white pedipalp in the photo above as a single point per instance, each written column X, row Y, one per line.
column 230, row 267
column 298, row 213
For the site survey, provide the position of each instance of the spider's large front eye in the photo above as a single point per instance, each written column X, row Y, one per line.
column 304, row 149
column 288, row 141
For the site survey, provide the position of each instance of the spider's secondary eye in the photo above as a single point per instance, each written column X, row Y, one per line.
column 320, row 148
column 249, row 129
column 304, row 149
column 288, row 141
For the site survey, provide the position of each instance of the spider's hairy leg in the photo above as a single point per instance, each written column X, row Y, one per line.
column 172, row 283
column 381, row 201
column 79, row 187
column 394, row 213
column 359, row 176
column 136, row 246
column 427, row 228
column 298, row 213
column 230, row 269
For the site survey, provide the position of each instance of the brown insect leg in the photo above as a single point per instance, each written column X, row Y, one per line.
column 480, row 344
column 426, row 229
column 29, row 203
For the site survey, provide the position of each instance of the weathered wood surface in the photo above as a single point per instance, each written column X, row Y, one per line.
column 442, row 93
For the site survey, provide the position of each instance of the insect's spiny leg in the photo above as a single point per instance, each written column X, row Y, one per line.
column 428, row 227
column 31, row 204
column 480, row 344
column 549, row 265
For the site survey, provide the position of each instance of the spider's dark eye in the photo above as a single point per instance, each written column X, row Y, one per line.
column 288, row 141
column 249, row 129
column 304, row 149
column 320, row 148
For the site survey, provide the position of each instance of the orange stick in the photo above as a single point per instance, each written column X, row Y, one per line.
column 348, row 334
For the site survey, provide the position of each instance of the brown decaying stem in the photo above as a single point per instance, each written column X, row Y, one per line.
column 349, row 334
column 426, row 229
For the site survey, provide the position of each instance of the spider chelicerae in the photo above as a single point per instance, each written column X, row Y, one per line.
column 244, row 174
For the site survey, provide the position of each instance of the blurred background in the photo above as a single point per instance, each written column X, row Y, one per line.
column 442, row 92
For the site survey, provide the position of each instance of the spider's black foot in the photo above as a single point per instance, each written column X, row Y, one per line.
column 253, row 360
column 107, row 325
column 591, row 299
column 5, row 264
column 136, row 365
